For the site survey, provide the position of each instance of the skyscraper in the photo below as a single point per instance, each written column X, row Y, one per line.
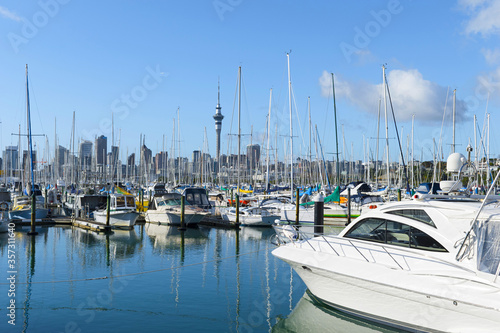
column 86, row 154
column 101, row 150
column 218, row 124
column 253, row 156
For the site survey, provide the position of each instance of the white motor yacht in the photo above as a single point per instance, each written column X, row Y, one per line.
column 166, row 209
column 422, row 265
column 122, row 211
column 250, row 216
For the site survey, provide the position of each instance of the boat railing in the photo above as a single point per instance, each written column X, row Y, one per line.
column 368, row 251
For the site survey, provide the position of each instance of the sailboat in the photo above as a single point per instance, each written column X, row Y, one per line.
column 249, row 216
column 23, row 205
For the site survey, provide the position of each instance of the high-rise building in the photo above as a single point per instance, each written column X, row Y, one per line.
column 253, row 156
column 101, row 150
column 146, row 154
column 196, row 161
column 114, row 156
column 11, row 158
column 161, row 159
column 218, row 124
column 85, row 154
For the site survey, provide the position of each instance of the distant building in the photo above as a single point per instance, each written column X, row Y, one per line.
column 85, row 154
column 253, row 156
column 146, row 154
column 161, row 159
column 101, row 150
column 11, row 158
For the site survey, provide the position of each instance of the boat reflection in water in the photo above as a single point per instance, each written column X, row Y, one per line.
column 256, row 233
column 170, row 237
column 120, row 244
column 310, row 315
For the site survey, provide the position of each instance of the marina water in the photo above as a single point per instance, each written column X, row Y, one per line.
column 156, row 278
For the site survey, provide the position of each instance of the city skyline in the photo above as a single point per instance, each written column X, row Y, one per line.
column 158, row 75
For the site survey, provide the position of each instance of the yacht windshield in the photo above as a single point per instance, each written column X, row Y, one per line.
column 488, row 246
column 414, row 214
column 394, row 233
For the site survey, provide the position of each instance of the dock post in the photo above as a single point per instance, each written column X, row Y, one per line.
column 318, row 214
column 399, row 194
column 237, row 210
column 297, row 206
column 33, row 213
column 107, row 228
column 142, row 199
column 348, row 206
column 183, row 206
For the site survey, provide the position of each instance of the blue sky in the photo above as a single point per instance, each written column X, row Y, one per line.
column 142, row 60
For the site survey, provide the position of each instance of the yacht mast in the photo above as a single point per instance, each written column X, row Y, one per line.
column 454, row 110
column 291, row 127
column 268, row 139
column 239, row 126
column 386, row 128
column 336, row 132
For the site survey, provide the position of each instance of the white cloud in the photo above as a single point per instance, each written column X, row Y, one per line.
column 492, row 57
column 484, row 16
column 410, row 94
column 4, row 12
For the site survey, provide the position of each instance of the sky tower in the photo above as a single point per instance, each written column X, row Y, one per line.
column 218, row 122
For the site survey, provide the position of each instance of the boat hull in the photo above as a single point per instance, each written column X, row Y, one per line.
column 168, row 218
column 251, row 220
column 25, row 214
column 390, row 296
column 117, row 219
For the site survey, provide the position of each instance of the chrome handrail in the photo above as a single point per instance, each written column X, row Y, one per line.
column 341, row 241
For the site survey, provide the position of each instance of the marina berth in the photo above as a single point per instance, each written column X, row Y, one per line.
column 167, row 209
column 122, row 211
column 429, row 264
column 250, row 216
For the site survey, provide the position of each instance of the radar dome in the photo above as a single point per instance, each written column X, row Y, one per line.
column 455, row 162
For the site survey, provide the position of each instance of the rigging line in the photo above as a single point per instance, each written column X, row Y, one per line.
column 440, row 143
column 397, row 134
column 140, row 273
column 298, row 118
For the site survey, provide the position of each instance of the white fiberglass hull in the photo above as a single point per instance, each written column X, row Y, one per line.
column 172, row 218
column 305, row 215
column 422, row 301
column 117, row 219
column 252, row 220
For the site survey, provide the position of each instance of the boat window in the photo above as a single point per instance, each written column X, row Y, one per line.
column 371, row 229
column 120, row 201
column 394, row 233
column 172, row 202
column 414, row 214
column 130, row 202
column 161, row 203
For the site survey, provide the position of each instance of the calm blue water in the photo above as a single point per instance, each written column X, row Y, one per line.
column 152, row 279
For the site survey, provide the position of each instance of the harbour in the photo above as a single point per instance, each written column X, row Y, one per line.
column 175, row 167
column 155, row 278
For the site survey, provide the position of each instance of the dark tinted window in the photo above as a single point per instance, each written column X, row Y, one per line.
column 394, row 233
column 414, row 214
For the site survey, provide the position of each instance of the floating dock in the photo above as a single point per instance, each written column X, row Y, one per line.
column 91, row 225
